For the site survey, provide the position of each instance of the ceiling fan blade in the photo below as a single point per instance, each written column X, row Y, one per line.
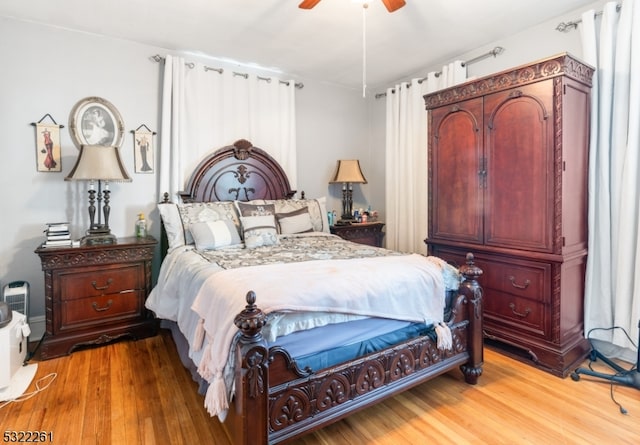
column 308, row 4
column 392, row 5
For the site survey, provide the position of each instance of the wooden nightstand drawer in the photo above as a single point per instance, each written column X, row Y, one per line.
column 364, row 233
column 85, row 312
column 94, row 282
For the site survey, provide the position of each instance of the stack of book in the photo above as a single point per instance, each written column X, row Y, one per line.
column 58, row 235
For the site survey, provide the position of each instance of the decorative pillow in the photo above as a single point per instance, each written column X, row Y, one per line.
column 211, row 235
column 317, row 210
column 259, row 209
column 259, row 231
column 194, row 212
column 297, row 221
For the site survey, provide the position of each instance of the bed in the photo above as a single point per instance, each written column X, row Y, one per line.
column 278, row 358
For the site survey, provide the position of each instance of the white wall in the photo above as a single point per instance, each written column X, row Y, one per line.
column 47, row 70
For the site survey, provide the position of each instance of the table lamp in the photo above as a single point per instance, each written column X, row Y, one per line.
column 99, row 163
column 348, row 172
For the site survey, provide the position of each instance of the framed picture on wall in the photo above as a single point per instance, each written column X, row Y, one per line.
column 143, row 150
column 48, row 147
column 95, row 121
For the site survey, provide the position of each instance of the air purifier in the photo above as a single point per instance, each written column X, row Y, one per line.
column 16, row 295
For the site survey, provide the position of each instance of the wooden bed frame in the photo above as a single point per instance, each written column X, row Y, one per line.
column 274, row 400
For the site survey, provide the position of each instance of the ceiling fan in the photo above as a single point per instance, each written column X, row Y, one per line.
column 391, row 5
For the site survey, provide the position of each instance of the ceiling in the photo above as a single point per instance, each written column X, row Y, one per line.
column 324, row 43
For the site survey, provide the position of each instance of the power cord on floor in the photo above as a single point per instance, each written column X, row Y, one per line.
column 47, row 379
column 592, row 359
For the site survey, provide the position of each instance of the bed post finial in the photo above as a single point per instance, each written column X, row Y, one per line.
column 251, row 320
column 472, row 291
column 470, row 271
column 248, row 420
column 242, row 149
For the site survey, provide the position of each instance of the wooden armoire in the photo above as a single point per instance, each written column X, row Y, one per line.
column 508, row 163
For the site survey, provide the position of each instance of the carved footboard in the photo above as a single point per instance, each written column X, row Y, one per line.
column 275, row 401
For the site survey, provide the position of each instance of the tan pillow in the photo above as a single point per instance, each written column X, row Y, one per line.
column 297, row 221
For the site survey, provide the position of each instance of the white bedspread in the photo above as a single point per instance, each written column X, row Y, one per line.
column 408, row 287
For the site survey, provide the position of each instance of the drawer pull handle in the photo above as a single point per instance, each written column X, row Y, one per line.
column 519, row 286
column 102, row 309
column 527, row 311
column 106, row 286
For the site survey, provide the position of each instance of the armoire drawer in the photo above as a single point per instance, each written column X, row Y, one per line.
column 517, row 295
column 516, row 291
column 523, row 279
column 515, row 313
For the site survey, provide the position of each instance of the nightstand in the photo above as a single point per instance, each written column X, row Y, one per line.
column 96, row 294
column 369, row 233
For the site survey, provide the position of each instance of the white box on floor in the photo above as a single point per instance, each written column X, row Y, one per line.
column 14, row 377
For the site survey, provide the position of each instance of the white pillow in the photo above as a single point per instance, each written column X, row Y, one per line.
column 298, row 221
column 194, row 212
column 172, row 224
column 177, row 218
column 259, row 231
column 211, row 235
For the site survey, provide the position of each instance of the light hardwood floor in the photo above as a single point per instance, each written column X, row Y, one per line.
column 137, row 392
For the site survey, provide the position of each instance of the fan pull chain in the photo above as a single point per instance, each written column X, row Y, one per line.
column 364, row 49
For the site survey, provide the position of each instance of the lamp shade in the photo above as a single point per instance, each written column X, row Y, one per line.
column 99, row 162
column 348, row 170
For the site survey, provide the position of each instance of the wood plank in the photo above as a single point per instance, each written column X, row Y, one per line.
column 139, row 392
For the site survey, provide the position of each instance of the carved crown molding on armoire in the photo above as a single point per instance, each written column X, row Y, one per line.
column 561, row 65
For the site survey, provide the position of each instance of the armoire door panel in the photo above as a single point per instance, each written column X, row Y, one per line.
column 575, row 137
column 457, row 173
column 519, row 195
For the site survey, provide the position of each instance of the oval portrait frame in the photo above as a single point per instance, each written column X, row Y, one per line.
column 95, row 121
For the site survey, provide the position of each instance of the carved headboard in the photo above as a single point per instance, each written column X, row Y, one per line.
column 239, row 172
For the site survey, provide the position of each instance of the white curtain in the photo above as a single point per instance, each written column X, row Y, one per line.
column 203, row 110
column 406, row 158
column 613, row 268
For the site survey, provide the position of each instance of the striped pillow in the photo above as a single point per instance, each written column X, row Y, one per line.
column 211, row 235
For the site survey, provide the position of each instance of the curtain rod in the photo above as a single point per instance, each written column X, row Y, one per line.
column 570, row 26
column 494, row 52
column 159, row 58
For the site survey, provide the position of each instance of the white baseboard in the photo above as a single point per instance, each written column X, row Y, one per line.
column 38, row 327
